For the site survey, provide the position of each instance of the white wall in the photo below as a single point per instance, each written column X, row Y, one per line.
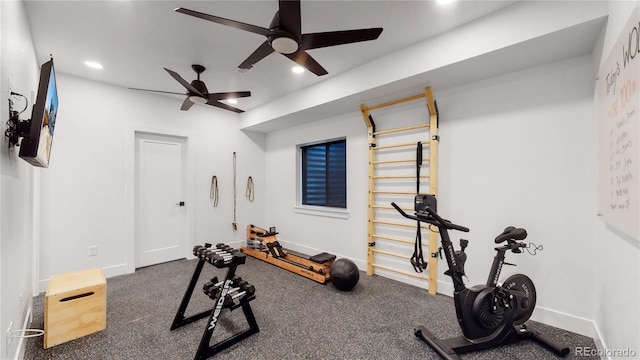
column 514, row 150
column 518, row 150
column 19, row 68
column 522, row 145
column 85, row 193
column 616, row 288
column 313, row 233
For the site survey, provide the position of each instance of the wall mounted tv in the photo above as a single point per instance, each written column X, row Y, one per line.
column 36, row 145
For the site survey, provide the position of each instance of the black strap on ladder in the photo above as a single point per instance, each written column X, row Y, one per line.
column 417, row 259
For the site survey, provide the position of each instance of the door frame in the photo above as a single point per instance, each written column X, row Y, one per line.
column 130, row 188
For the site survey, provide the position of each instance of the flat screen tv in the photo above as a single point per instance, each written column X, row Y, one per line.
column 36, row 145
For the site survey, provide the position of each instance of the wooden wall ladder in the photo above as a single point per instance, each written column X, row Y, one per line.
column 429, row 140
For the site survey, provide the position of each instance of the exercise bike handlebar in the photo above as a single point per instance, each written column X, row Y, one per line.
column 433, row 218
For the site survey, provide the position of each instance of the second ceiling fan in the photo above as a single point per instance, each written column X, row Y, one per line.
column 197, row 92
column 284, row 36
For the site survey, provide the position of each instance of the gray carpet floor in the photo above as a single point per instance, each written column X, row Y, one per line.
column 298, row 319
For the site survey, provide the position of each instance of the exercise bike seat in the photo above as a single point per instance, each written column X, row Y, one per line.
column 511, row 234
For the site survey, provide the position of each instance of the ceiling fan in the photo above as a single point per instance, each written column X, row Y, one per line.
column 284, row 36
column 197, row 92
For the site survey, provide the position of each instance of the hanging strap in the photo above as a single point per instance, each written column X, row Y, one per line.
column 249, row 192
column 417, row 259
column 213, row 192
column 234, row 224
column 418, row 165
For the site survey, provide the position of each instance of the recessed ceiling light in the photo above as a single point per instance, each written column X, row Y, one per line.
column 94, row 65
column 445, row 2
column 232, row 101
column 297, row 69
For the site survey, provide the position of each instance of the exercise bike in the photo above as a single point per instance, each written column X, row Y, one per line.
column 489, row 315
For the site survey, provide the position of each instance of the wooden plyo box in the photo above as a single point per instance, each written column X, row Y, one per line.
column 75, row 305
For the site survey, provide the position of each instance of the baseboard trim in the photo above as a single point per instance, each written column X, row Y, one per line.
column 21, row 348
column 565, row 321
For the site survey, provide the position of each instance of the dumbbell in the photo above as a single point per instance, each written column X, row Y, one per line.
column 246, row 290
column 222, row 254
column 199, row 248
column 241, row 284
column 213, row 287
column 249, row 289
column 211, row 284
column 223, row 246
column 202, row 253
column 225, row 249
column 218, row 261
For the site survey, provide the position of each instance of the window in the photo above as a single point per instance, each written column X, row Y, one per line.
column 324, row 174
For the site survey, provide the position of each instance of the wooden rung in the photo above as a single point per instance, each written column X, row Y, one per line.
column 393, row 223
column 391, row 254
column 400, row 272
column 391, row 207
column 401, row 129
column 392, row 238
column 393, row 102
column 397, row 145
column 398, row 161
column 399, row 176
column 397, row 192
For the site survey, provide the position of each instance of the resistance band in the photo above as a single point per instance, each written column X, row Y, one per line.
column 249, row 193
column 417, row 259
column 213, row 192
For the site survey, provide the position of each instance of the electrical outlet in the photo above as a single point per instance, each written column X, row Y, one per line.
column 93, row 250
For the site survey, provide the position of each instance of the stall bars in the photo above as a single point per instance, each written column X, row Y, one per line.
column 432, row 142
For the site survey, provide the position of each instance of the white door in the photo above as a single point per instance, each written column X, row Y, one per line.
column 160, row 218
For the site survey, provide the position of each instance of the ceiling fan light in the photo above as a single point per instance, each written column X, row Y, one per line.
column 284, row 45
column 197, row 99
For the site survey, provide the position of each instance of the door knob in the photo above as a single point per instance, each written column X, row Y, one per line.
column 181, row 203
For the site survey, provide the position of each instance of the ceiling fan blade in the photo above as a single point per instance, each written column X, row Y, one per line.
column 332, row 38
column 158, row 91
column 183, row 82
column 227, row 22
column 187, row 104
column 260, row 53
column 224, row 106
column 228, row 95
column 290, row 18
column 305, row 60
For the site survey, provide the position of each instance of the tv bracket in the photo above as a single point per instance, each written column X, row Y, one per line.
column 16, row 128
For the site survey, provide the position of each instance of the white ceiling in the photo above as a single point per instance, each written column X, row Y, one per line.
column 135, row 39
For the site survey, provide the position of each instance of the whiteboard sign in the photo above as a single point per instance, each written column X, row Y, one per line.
column 619, row 113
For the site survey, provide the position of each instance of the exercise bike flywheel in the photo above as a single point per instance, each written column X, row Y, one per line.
column 525, row 303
